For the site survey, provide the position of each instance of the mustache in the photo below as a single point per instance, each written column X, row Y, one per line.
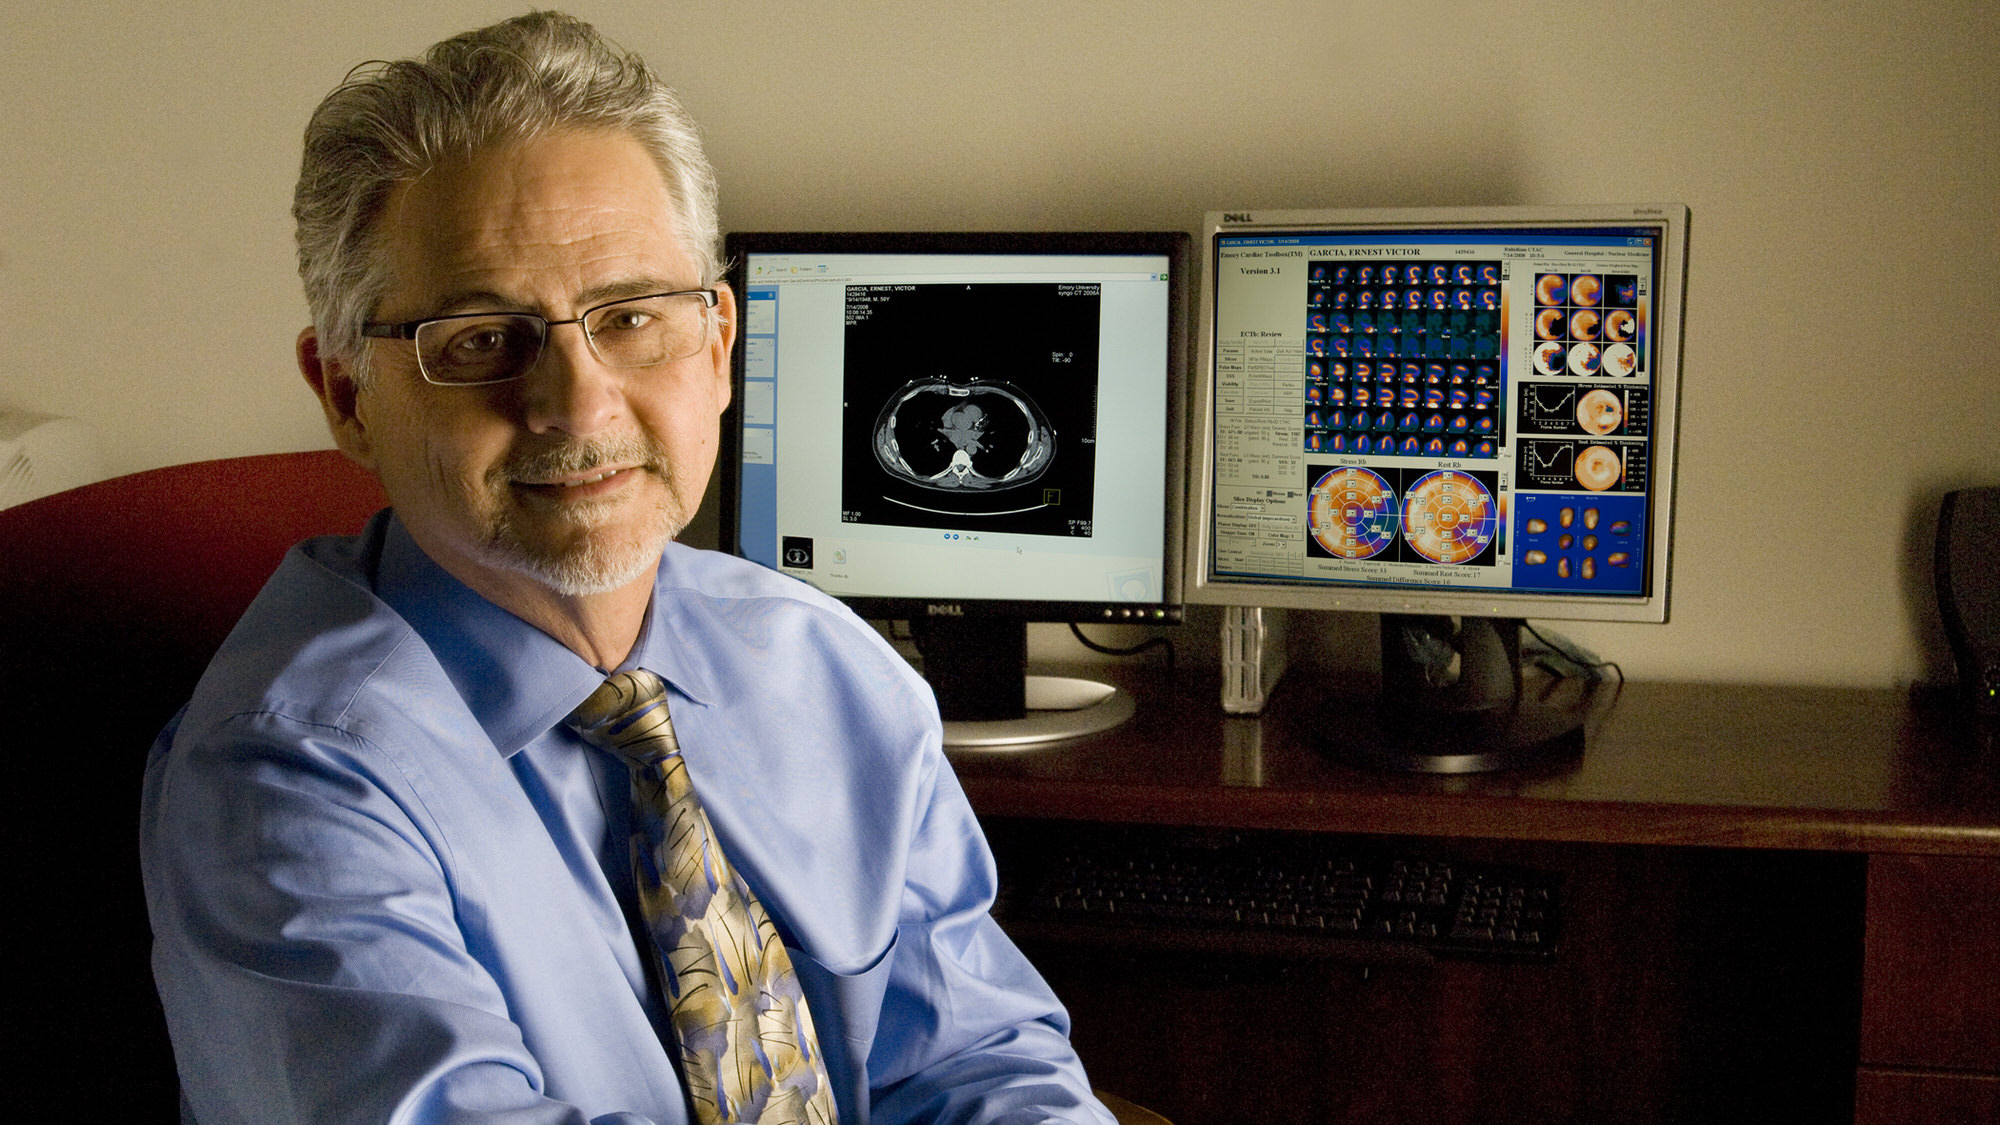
column 583, row 456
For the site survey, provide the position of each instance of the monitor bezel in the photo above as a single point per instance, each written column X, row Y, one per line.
column 1204, row 586
column 1175, row 246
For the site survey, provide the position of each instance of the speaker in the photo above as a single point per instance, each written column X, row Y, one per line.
column 1968, row 593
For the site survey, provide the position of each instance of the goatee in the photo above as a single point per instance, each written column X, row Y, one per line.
column 605, row 546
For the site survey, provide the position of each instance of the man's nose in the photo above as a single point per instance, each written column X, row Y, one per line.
column 569, row 388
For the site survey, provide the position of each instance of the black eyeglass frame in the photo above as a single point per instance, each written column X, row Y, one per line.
column 407, row 330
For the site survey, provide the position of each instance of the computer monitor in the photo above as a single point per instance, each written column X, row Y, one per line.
column 969, row 432
column 1457, row 418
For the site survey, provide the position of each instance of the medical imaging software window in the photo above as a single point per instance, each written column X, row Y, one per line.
column 1434, row 408
column 919, row 425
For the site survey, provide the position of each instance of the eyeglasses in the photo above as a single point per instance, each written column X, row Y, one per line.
column 474, row 348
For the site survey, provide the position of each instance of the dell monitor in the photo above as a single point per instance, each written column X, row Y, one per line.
column 1457, row 418
column 968, row 432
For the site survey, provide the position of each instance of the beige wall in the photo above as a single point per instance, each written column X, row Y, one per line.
column 1843, row 334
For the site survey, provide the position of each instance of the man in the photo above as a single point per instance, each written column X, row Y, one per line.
column 386, row 847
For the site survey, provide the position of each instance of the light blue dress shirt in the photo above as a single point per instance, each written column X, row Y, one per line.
column 387, row 884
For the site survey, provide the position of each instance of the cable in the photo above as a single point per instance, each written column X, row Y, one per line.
column 1587, row 664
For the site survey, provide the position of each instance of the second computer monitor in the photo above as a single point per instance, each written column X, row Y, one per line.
column 1455, row 418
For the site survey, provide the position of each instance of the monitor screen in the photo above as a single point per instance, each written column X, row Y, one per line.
column 1448, row 411
column 966, row 431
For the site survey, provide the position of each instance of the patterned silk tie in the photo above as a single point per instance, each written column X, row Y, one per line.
column 747, row 1046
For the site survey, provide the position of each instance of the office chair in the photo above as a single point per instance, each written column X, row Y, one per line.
column 113, row 596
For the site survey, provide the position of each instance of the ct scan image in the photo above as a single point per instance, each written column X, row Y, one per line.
column 971, row 406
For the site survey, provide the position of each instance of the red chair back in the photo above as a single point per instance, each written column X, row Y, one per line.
column 113, row 598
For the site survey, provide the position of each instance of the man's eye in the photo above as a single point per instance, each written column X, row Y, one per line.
column 484, row 340
column 625, row 320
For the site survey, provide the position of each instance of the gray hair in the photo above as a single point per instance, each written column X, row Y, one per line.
column 391, row 122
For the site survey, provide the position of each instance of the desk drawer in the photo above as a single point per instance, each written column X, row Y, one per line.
column 1930, row 996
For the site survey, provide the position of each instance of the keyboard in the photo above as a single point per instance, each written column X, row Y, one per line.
column 1270, row 891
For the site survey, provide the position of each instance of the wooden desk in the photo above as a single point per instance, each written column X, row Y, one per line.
column 1783, row 902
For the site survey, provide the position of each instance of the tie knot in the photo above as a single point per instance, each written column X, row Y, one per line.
column 627, row 715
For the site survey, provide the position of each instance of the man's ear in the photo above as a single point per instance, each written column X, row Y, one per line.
column 725, row 338
column 333, row 383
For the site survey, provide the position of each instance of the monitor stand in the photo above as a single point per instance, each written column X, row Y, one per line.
column 1454, row 700
column 978, row 669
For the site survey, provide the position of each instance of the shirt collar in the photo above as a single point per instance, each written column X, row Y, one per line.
column 517, row 680
column 663, row 647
